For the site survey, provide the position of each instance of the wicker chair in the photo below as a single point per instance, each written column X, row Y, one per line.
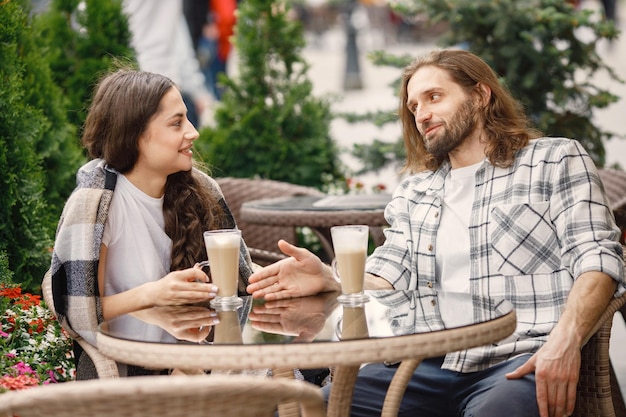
column 105, row 367
column 261, row 240
column 614, row 182
column 170, row 396
column 595, row 397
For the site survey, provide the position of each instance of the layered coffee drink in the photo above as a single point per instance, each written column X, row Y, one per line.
column 350, row 245
column 223, row 251
column 351, row 266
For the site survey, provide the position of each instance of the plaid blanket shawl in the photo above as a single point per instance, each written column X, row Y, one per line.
column 74, row 266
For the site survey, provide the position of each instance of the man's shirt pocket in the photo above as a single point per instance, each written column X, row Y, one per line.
column 524, row 240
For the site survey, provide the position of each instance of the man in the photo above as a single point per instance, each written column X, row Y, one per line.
column 491, row 210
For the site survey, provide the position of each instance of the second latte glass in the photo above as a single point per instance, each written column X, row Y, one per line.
column 350, row 246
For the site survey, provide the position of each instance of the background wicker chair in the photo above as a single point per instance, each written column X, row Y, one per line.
column 614, row 182
column 261, row 240
column 169, row 396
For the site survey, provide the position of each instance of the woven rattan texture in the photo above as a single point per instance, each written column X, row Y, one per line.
column 614, row 182
column 594, row 386
column 166, row 396
column 239, row 190
column 306, row 355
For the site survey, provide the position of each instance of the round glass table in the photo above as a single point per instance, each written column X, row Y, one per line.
column 305, row 333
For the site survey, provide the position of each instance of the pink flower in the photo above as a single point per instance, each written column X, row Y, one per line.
column 23, row 368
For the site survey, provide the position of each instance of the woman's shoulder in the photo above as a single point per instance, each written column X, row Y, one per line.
column 207, row 181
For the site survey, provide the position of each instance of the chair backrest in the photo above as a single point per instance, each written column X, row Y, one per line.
column 239, row 190
column 596, row 394
column 614, row 182
column 166, row 396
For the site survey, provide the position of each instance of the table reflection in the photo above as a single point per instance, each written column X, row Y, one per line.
column 228, row 330
column 353, row 322
column 299, row 320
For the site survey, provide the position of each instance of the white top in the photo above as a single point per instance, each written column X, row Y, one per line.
column 452, row 256
column 139, row 251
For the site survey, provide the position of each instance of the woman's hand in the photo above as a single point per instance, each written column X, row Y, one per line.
column 191, row 323
column 300, row 275
column 187, row 286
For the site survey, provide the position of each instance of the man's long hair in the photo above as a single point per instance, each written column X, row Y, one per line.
column 506, row 125
column 124, row 103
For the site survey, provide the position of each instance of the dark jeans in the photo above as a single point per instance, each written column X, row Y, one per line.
column 435, row 392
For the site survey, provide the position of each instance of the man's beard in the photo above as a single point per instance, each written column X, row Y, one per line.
column 455, row 131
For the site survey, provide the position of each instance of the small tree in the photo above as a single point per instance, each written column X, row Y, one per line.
column 23, row 229
column 82, row 39
column 544, row 50
column 269, row 124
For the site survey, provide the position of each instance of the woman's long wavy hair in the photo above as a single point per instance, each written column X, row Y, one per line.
column 505, row 122
column 123, row 104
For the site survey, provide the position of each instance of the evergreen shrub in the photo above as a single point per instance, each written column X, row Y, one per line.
column 269, row 125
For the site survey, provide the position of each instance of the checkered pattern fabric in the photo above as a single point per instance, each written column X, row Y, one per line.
column 535, row 227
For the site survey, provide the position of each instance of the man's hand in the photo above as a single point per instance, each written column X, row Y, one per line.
column 303, row 318
column 300, row 275
column 557, row 369
column 557, row 363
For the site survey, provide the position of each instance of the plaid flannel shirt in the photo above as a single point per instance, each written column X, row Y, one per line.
column 535, row 227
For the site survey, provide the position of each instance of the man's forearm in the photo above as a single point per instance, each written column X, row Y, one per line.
column 588, row 298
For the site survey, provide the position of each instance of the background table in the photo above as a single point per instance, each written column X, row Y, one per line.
column 305, row 333
column 321, row 213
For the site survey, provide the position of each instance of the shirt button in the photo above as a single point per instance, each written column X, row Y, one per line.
column 429, row 284
column 430, row 248
column 436, row 214
column 433, row 302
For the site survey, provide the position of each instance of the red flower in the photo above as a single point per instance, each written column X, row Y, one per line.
column 18, row 382
column 10, row 292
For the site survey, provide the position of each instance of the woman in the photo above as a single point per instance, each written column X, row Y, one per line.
column 131, row 232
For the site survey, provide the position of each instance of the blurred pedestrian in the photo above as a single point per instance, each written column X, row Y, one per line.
column 161, row 38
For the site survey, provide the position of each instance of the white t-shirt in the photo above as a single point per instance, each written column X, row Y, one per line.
column 139, row 251
column 452, row 256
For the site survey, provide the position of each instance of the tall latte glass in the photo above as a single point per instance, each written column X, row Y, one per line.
column 350, row 245
column 222, row 248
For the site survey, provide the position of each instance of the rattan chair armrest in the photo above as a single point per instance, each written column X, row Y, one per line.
column 607, row 316
column 105, row 367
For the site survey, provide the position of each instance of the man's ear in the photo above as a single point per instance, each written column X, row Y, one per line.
column 484, row 92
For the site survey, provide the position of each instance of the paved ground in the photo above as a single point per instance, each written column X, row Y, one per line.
column 326, row 55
